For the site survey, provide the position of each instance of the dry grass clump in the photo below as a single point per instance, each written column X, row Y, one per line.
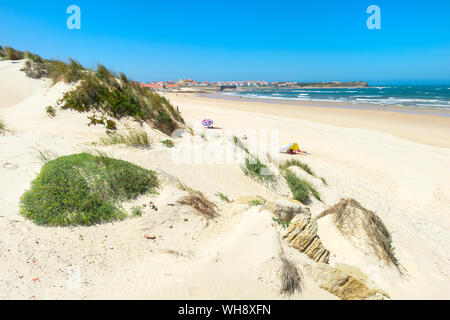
column 2, row 126
column 198, row 201
column 291, row 280
column 136, row 138
column 350, row 216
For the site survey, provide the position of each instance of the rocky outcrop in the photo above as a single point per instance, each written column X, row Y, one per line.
column 346, row 282
column 302, row 235
column 287, row 209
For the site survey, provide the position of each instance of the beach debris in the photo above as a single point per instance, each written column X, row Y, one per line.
column 149, row 237
column 153, row 206
column 36, row 280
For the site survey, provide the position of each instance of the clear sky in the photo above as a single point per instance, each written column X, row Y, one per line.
column 241, row 40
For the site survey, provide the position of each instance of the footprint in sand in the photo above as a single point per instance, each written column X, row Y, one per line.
column 10, row 166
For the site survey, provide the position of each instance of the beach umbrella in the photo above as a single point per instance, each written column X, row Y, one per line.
column 207, row 123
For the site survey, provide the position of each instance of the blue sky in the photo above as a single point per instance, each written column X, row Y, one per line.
column 241, row 40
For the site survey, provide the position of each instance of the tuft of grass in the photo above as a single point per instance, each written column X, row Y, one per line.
column 256, row 202
column 2, row 126
column 137, row 211
column 68, row 73
column 254, row 168
column 301, row 189
column 284, row 224
column 297, row 163
column 136, row 138
column 349, row 215
column 51, row 111
column 223, row 197
column 168, row 143
column 324, row 181
column 238, row 142
column 291, row 280
column 198, row 201
column 83, row 189
column 46, row 156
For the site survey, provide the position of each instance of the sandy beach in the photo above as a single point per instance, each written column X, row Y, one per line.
column 394, row 164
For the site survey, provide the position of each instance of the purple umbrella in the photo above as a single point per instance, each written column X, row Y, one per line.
column 207, row 123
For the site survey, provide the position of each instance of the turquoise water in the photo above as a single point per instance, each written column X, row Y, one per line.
column 410, row 96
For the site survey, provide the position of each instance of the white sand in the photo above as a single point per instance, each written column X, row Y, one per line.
column 236, row 256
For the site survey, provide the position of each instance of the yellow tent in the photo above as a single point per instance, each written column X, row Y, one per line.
column 290, row 146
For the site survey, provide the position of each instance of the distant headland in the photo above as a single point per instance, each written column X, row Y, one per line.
column 189, row 84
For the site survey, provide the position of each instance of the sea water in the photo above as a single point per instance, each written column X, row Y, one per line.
column 426, row 96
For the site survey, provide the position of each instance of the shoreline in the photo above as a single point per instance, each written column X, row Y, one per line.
column 339, row 105
column 427, row 127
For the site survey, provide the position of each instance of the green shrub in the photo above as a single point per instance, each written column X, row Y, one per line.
column 84, row 189
column 137, row 211
column 301, row 189
column 168, row 143
column 51, row 111
column 69, row 73
column 13, row 54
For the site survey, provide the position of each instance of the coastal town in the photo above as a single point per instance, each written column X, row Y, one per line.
column 245, row 85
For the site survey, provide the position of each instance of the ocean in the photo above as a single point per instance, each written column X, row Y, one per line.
column 426, row 96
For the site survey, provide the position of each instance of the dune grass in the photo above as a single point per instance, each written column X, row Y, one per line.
column 2, row 126
column 295, row 162
column 291, row 281
column 223, row 197
column 136, row 138
column 256, row 202
column 84, row 189
column 238, row 142
column 198, row 201
column 254, row 168
column 348, row 212
column 301, row 188
column 305, row 167
column 101, row 90
column 8, row 53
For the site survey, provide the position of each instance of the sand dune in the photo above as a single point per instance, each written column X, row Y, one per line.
column 239, row 254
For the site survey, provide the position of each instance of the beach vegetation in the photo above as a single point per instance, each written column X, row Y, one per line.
column 135, row 138
column 348, row 212
column 200, row 204
column 257, row 202
column 238, row 142
column 51, row 112
column 84, row 189
column 2, row 126
column 101, row 90
column 223, row 197
column 9, row 53
column 254, row 168
column 137, row 211
column 168, row 143
column 301, row 188
column 291, row 280
column 297, row 163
